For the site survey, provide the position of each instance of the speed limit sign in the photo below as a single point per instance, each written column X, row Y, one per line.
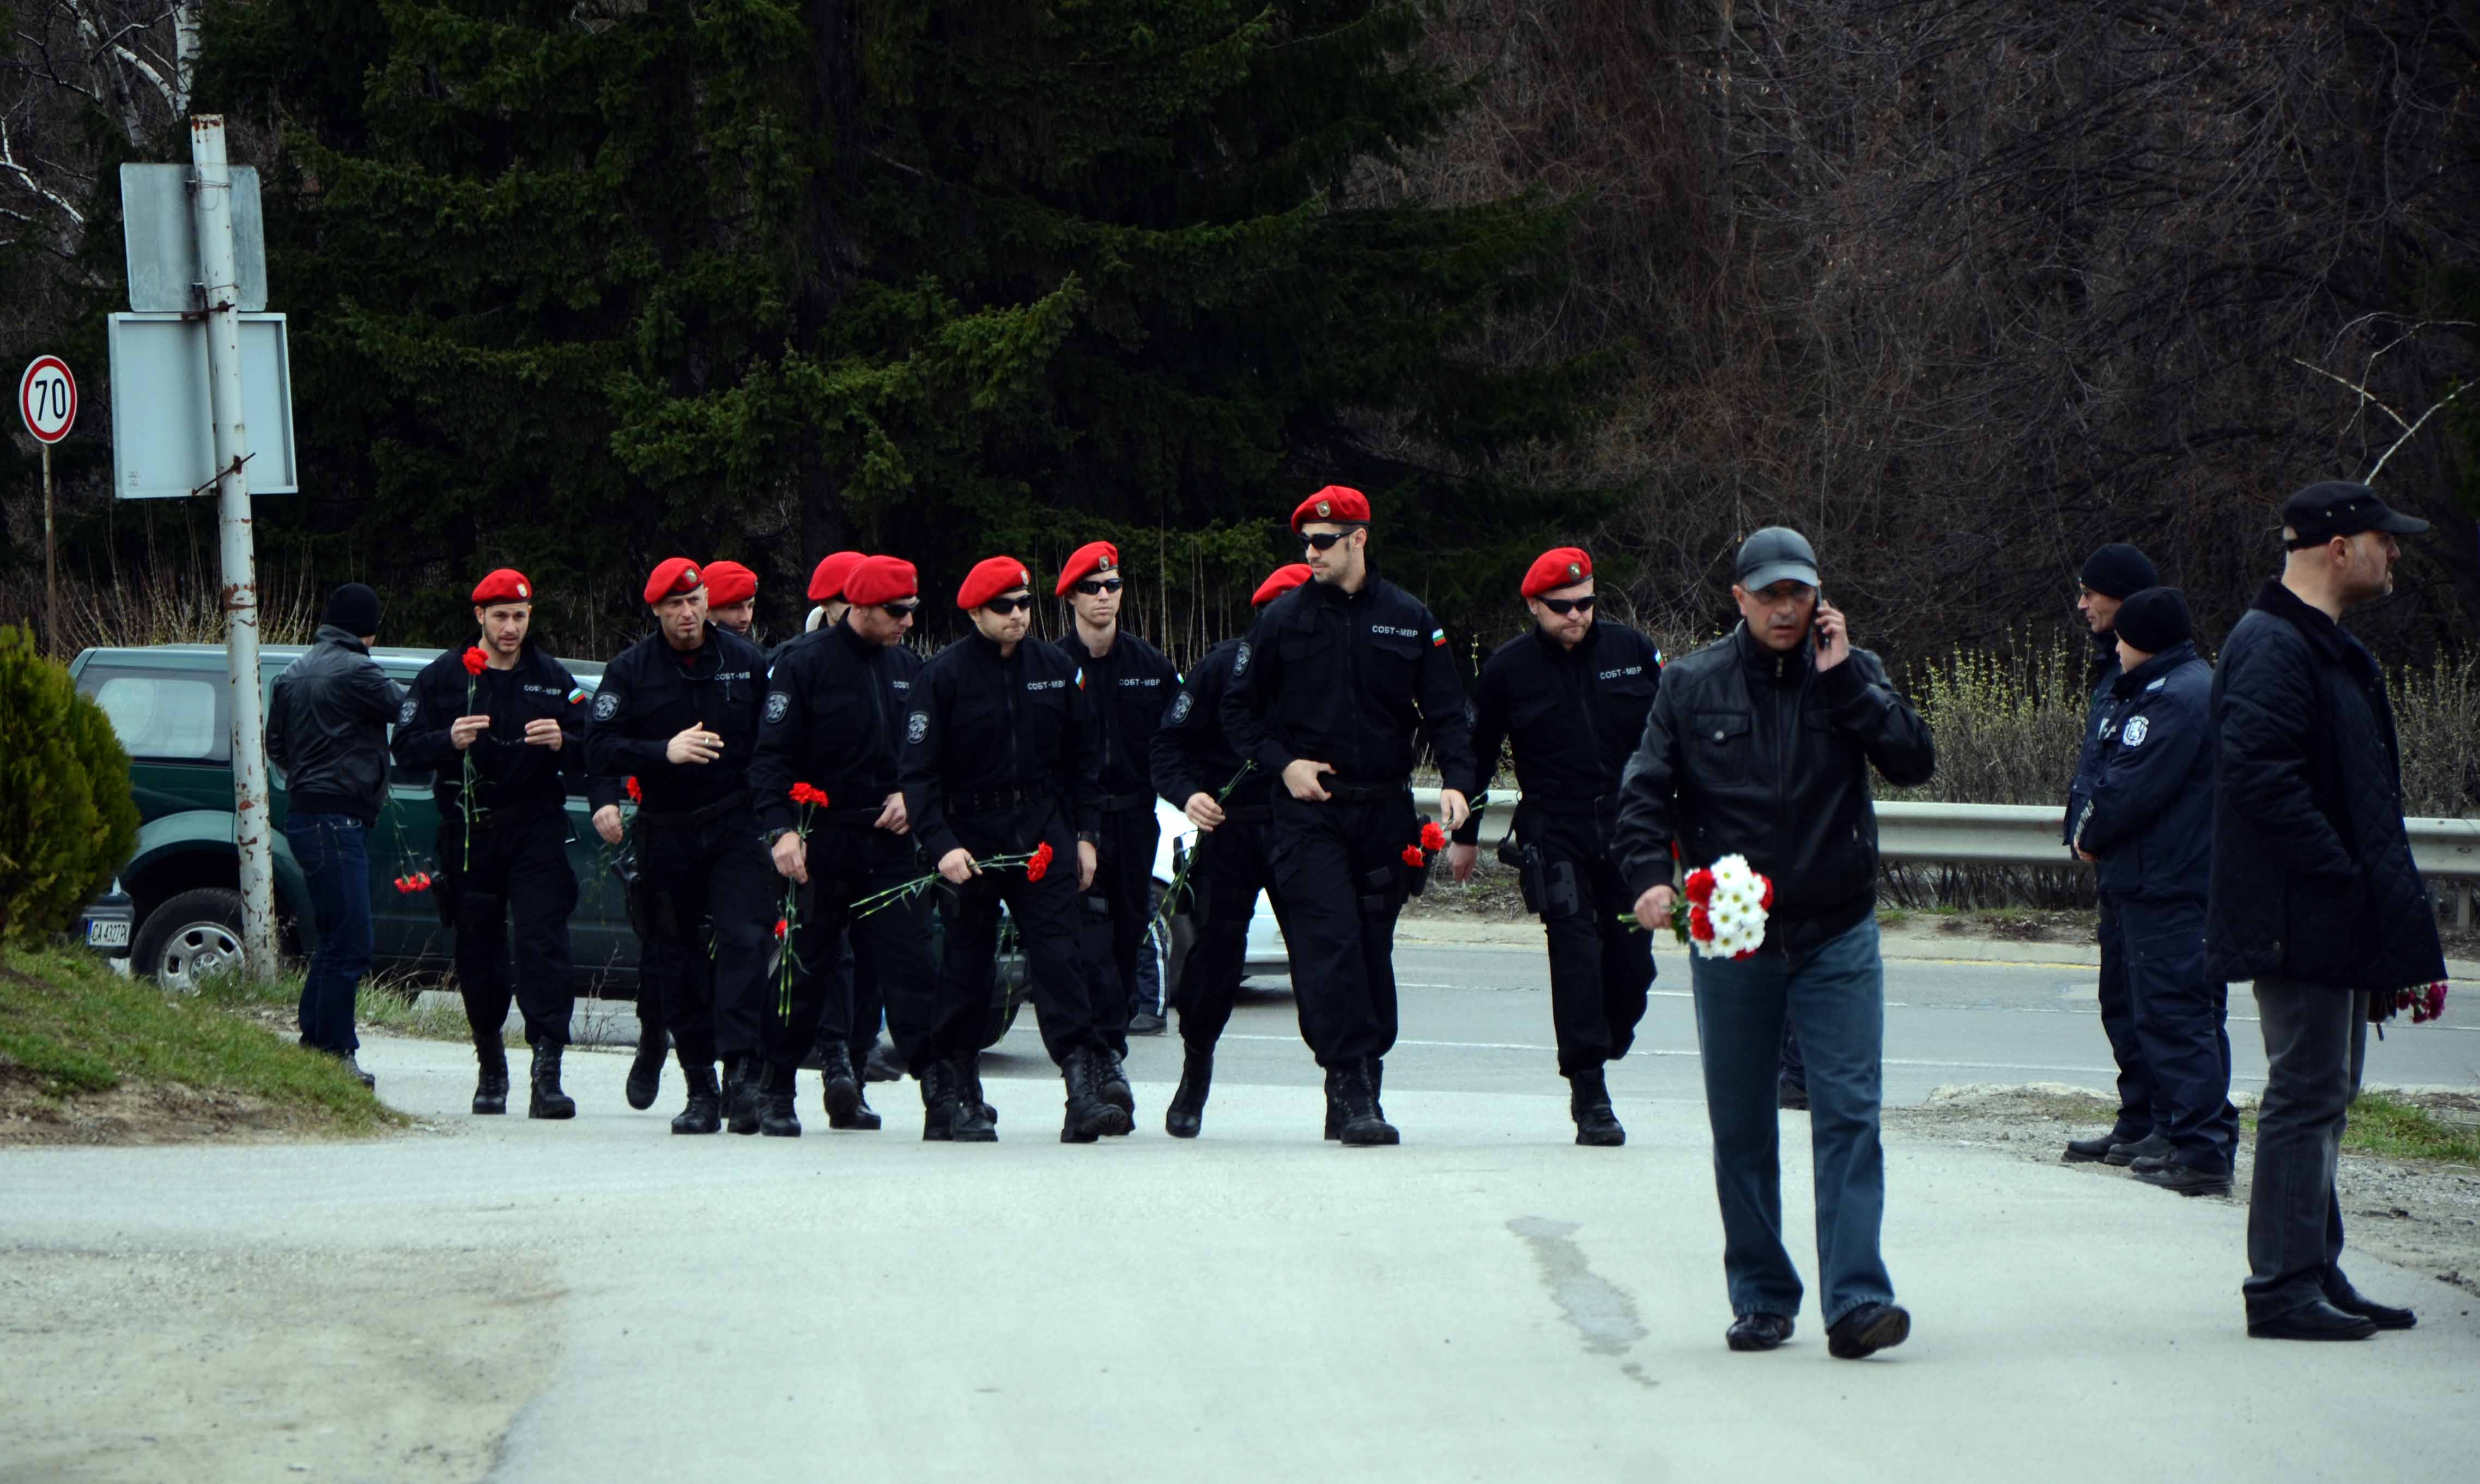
column 47, row 399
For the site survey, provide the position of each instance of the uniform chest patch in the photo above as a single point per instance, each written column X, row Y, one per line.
column 404, row 715
column 1393, row 632
column 778, row 705
column 2132, row 733
column 1181, row 708
column 606, row 704
column 1053, row 684
column 1141, row 680
column 917, row 726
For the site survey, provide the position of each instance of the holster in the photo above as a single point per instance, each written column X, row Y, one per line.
column 1384, row 889
column 1526, row 861
column 1560, row 899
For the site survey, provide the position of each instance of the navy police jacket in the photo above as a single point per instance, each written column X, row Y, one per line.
column 2146, row 805
column 836, row 704
column 1347, row 679
column 653, row 692
column 1129, row 688
column 1574, row 715
column 998, row 741
column 511, row 776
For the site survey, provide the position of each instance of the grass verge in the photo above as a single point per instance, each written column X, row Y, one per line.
column 72, row 1031
column 386, row 1003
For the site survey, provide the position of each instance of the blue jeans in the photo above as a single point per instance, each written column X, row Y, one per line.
column 335, row 856
column 1835, row 998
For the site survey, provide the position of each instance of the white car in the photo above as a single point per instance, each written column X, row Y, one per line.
column 1267, row 953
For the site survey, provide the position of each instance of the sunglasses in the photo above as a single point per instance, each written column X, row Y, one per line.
column 1003, row 606
column 1324, row 540
column 1563, row 606
column 900, row 610
column 1091, row 585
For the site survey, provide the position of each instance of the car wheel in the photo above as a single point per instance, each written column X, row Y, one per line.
column 194, row 937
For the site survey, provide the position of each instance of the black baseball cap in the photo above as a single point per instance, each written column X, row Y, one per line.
column 2336, row 507
column 1773, row 554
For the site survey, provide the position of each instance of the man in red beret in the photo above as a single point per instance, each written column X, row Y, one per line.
column 679, row 711
column 827, row 586
column 1129, row 683
column 1572, row 696
column 1328, row 694
column 499, row 726
column 1002, row 762
column 732, row 598
column 1231, row 802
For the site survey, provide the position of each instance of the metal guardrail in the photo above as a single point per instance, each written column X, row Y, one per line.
column 2028, row 834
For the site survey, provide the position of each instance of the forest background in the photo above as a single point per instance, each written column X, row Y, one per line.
column 1960, row 288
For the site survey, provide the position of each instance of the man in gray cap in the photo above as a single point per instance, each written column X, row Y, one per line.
column 1760, row 745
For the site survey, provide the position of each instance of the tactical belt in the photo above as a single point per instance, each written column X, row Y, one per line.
column 852, row 814
column 994, row 801
column 1120, row 804
column 694, row 817
column 1364, row 793
column 1578, row 805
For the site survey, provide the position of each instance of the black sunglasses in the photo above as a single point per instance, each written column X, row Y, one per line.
column 1093, row 585
column 1003, row 606
column 901, row 610
column 1563, row 606
column 1323, row 540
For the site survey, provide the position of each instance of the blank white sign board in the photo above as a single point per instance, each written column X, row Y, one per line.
column 163, row 425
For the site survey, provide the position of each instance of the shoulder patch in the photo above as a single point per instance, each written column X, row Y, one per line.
column 778, row 704
column 2132, row 733
column 1181, row 708
column 1438, row 638
column 2158, row 684
column 577, row 695
column 606, row 704
column 405, row 713
column 1240, row 661
column 917, row 726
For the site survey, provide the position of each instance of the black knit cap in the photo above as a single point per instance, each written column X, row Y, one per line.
column 2154, row 620
column 2119, row 570
column 354, row 609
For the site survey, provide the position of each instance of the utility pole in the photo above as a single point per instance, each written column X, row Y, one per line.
column 217, row 275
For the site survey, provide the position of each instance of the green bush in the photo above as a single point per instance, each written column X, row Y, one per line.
column 67, row 817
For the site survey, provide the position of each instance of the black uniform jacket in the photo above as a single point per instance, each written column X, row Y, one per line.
column 1191, row 755
column 327, row 727
column 984, row 726
column 511, row 777
column 2148, row 809
column 651, row 694
column 835, row 713
column 2313, row 877
column 1755, row 754
column 1346, row 679
column 1575, row 715
column 1129, row 688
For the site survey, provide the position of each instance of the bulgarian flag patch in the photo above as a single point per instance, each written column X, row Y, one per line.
column 1438, row 638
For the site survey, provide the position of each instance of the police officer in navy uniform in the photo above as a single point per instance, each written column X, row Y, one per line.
column 1572, row 696
column 1130, row 683
column 1231, row 801
column 1002, row 758
column 1326, row 694
column 513, row 729
column 2147, row 822
column 679, row 711
column 835, row 702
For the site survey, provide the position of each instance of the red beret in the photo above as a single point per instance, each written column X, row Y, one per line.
column 879, row 579
column 991, row 577
column 1092, row 556
column 505, row 585
column 1282, row 581
column 673, row 576
column 827, row 583
column 1557, row 567
column 728, row 583
column 1334, row 503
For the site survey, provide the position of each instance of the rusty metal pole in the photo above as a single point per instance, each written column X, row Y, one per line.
column 251, row 831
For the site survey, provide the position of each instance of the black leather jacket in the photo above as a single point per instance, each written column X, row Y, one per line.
column 1755, row 754
column 327, row 728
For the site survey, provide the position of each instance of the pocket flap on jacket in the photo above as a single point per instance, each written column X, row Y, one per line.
column 1722, row 725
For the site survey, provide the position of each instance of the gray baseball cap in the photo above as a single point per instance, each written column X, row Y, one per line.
column 1771, row 555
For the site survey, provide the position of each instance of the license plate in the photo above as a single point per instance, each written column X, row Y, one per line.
column 107, row 935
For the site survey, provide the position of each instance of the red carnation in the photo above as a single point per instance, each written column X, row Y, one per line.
column 782, row 925
column 1745, row 953
column 1700, row 887
column 636, row 794
column 1700, row 924
column 803, row 793
column 422, row 883
column 1039, row 866
column 1433, row 835
column 1767, row 902
column 476, row 661
column 404, row 885
column 1414, row 858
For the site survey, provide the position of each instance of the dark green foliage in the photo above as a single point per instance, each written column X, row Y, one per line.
column 67, row 817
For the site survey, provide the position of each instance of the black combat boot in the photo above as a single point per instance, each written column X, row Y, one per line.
column 1589, row 1103
column 937, row 1102
column 1186, row 1115
column 969, row 1071
column 1089, row 1117
column 1111, row 1082
column 740, row 1096
column 776, row 1118
column 646, row 1072
column 971, row 1122
column 1355, row 1088
column 491, row 1081
column 864, row 1118
column 704, row 1113
column 842, row 1084
column 546, row 1101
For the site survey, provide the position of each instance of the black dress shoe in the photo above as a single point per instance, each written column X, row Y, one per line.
column 1867, row 1330
column 1145, row 1022
column 2092, row 1151
column 2352, row 1301
column 2185, row 1179
column 2151, row 1146
column 1757, row 1331
column 2314, row 1321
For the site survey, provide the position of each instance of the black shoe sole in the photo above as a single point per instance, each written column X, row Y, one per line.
column 2072, row 1157
column 482, row 1111
column 857, row 1124
column 1601, row 1138
column 1369, row 1140
column 2276, row 1331
column 539, row 1110
column 1893, row 1328
column 2215, row 1187
column 780, row 1130
column 1109, row 1123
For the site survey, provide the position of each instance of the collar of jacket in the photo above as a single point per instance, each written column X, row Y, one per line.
column 2161, row 664
column 329, row 634
column 1560, row 655
column 2105, row 658
column 2325, row 636
column 1075, row 641
column 1768, row 665
column 989, row 647
column 852, row 640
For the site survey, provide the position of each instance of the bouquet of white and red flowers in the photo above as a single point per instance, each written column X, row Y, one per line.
column 1721, row 911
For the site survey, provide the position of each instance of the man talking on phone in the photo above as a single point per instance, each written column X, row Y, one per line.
column 1760, row 745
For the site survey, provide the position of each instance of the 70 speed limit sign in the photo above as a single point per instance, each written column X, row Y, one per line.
column 47, row 399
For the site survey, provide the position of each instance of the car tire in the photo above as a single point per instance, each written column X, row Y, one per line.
column 191, row 936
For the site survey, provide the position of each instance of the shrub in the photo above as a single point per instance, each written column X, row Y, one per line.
column 67, row 817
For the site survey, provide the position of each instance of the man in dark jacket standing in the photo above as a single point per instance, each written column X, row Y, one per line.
column 327, row 730
column 501, row 742
column 1760, row 745
column 2147, row 821
column 2111, row 576
column 2314, row 896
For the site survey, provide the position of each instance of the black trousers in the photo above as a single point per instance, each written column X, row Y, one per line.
column 2316, row 1044
column 1045, row 915
column 1339, row 873
column 687, row 873
column 514, row 871
column 1232, row 866
column 1600, row 971
column 2135, row 1092
column 890, row 947
column 2180, row 1025
column 1112, row 923
column 851, row 1010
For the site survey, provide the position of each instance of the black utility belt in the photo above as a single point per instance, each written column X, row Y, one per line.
column 1121, row 804
column 691, row 818
column 862, row 815
column 995, row 801
column 492, row 817
column 1579, row 805
column 1351, row 792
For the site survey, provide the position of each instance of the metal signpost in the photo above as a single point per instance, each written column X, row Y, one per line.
column 47, row 399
